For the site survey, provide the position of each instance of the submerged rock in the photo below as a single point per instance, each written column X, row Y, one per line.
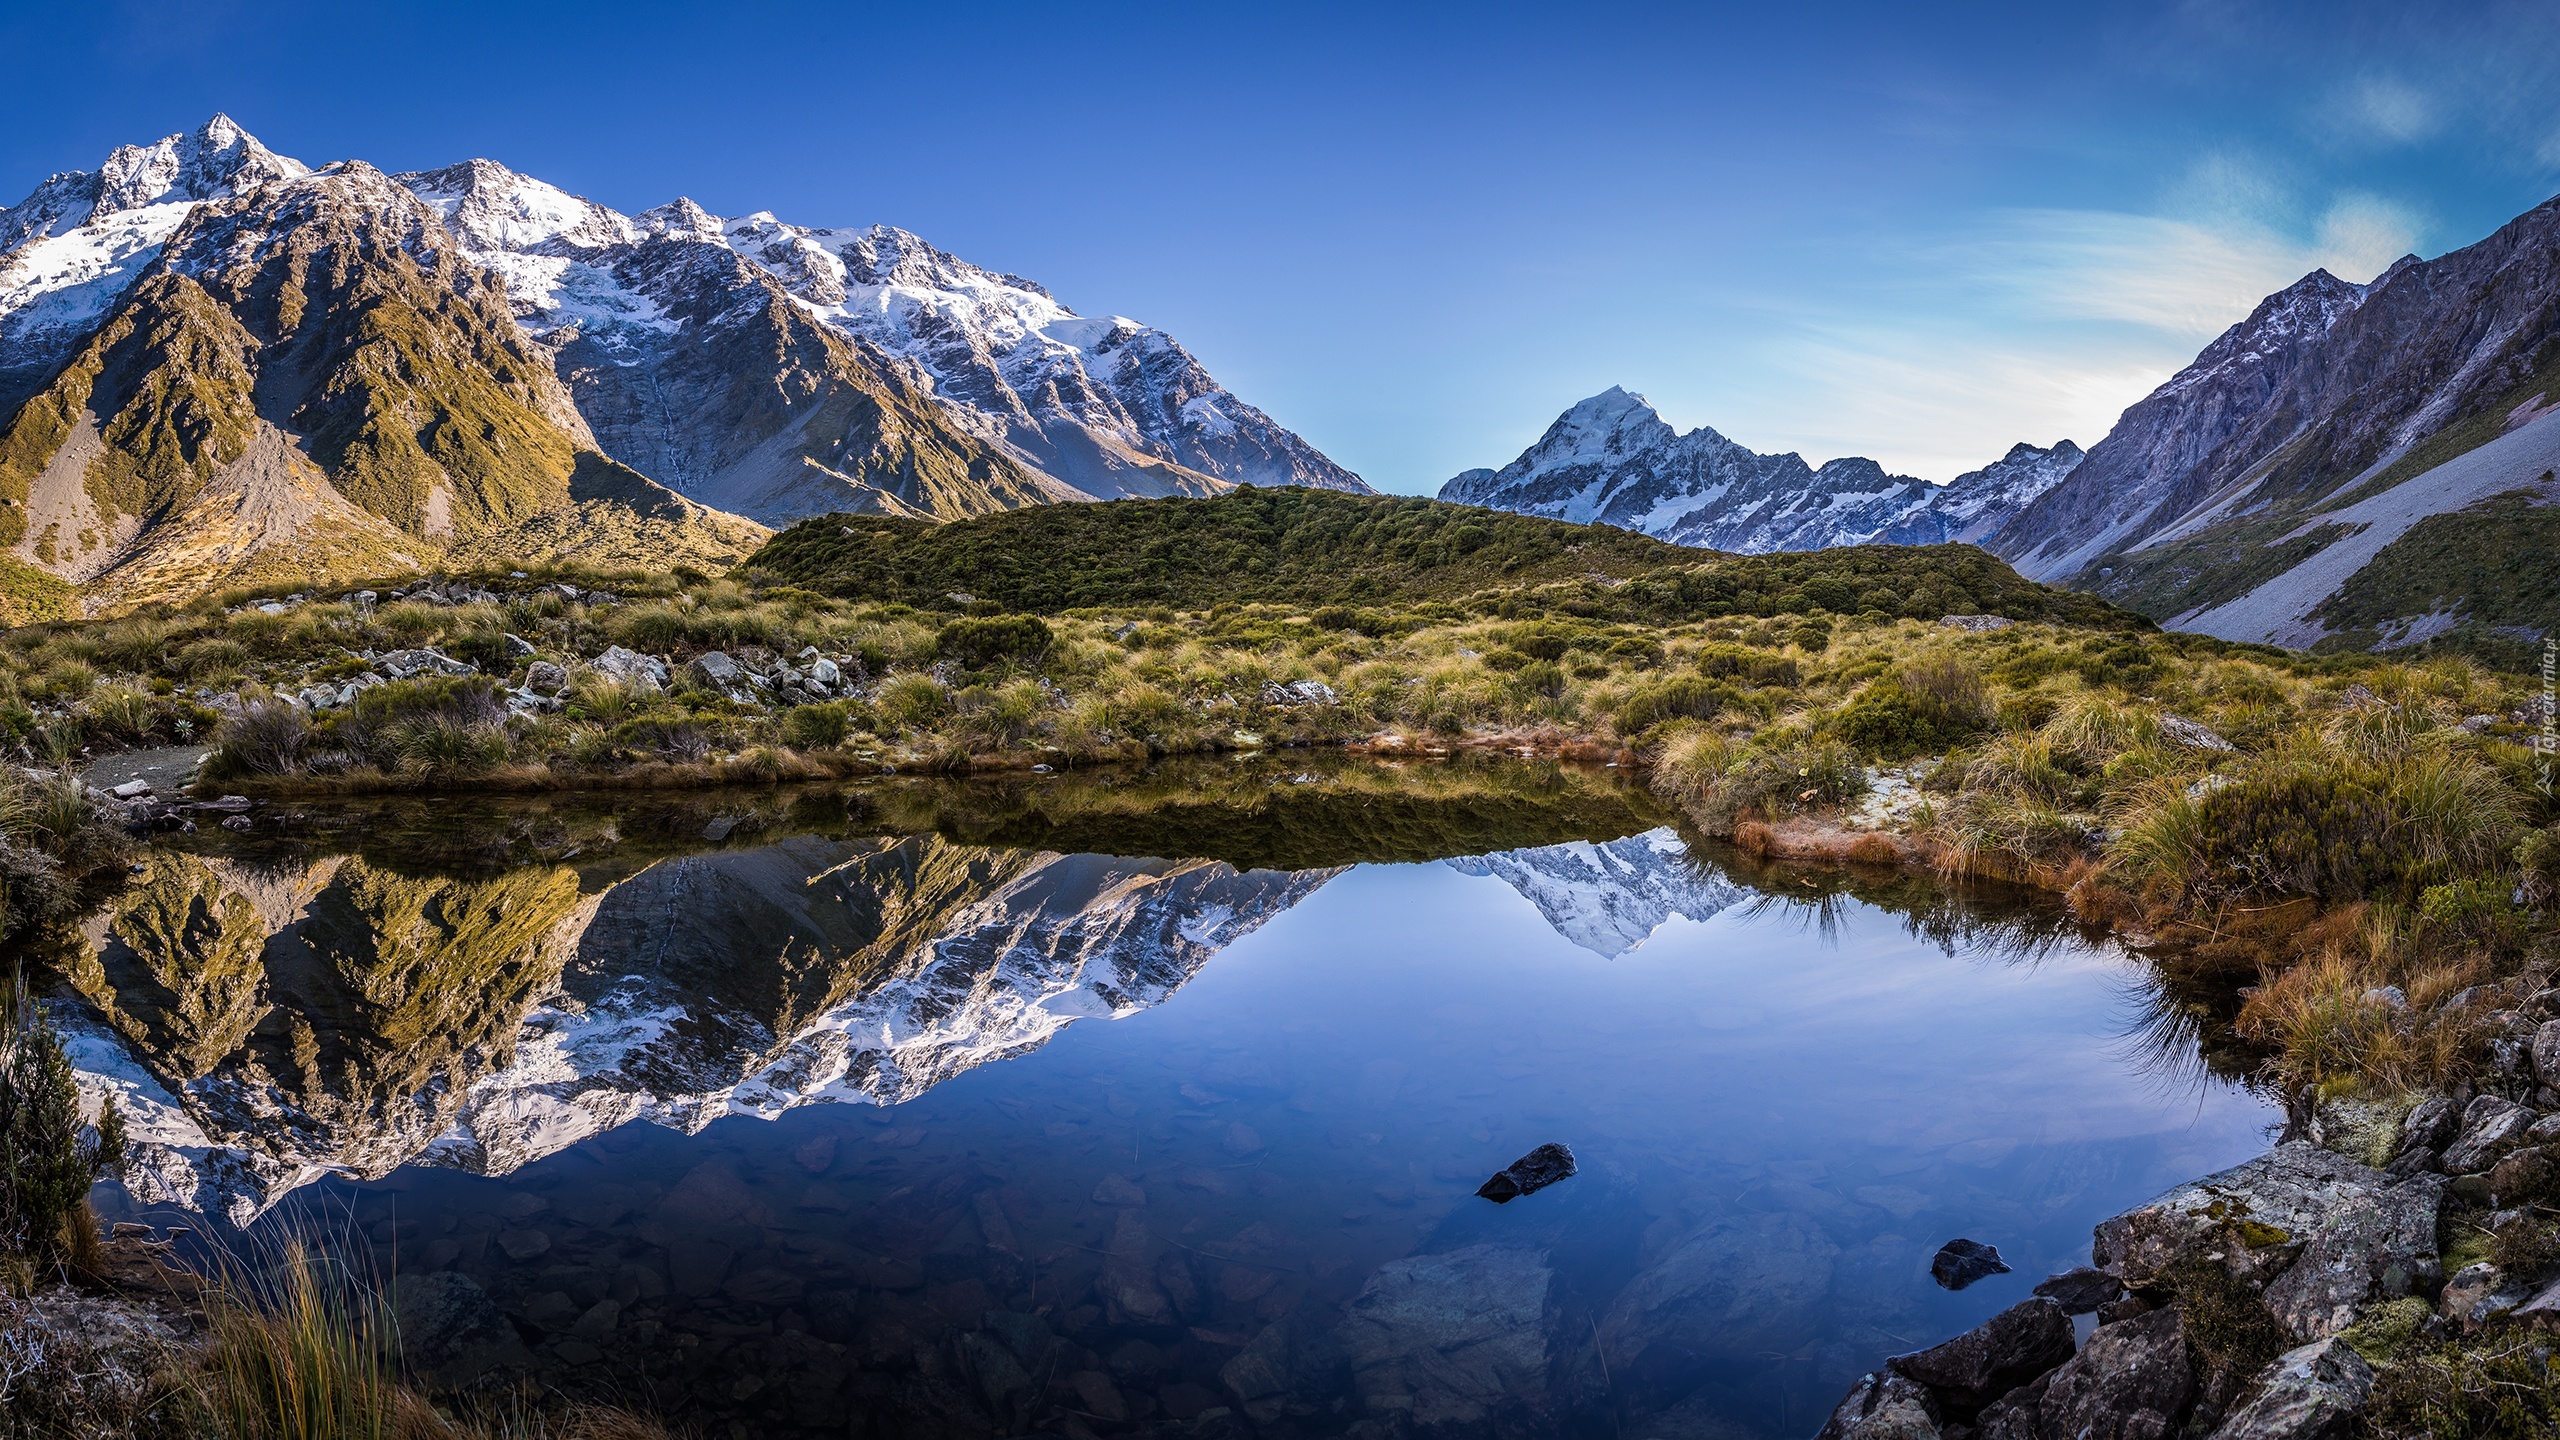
column 1993, row 1358
column 1454, row 1341
column 1532, row 1172
column 2314, row 1393
column 1959, row 1263
column 451, row 1332
column 1742, row 1285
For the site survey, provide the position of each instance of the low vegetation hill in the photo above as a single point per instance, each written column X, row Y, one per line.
column 1318, row 548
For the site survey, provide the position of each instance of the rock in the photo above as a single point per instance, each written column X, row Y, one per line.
column 236, row 822
column 2546, row 1052
column 1455, row 1343
column 1976, row 623
column 2314, row 1393
column 1959, row 1263
column 1292, row 1368
column 450, row 1330
column 1298, row 692
column 518, row 647
column 2256, row 1217
column 1530, row 1173
column 231, row 803
column 2541, row 1309
column 1096, row 1394
column 723, row 676
column 2179, row 730
column 2132, row 1381
column 1128, row 1284
column 1883, row 1406
column 2521, row 1176
column 630, row 667
column 2490, row 1127
column 1993, row 1358
column 2467, row 1295
column 825, row 672
column 1118, row 1190
column 404, row 664
column 2431, row 1125
column 2375, row 1245
column 815, row 1155
column 1741, row 1285
column 544, row 678
column 2360, row 696
column 2081, row 1291
column 131, row 790
column 2478, row 724
column 2018, row 1415
column 522, row 1245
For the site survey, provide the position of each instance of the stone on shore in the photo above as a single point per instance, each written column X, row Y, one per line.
column 2314, row 1393
column 2256, row 1217
column 1993, row 1358
column 1883, row 1406
column 2132, row 1381
column 2491, row 1126
column 2081, row 1291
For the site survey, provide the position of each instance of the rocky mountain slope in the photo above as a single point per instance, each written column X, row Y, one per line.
column 218, row 365
column 654, row 319
column 1611, row 459
column 2356, row 464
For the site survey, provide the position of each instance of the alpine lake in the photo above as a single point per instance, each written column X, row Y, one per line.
column 1135, row 1103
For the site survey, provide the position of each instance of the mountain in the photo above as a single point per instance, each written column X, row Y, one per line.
column 1609, row 897
column 218, row 365
column 1612, row 460
column 647, row 314
column 264, row 1024
column 2361, row 465
column 237, row 368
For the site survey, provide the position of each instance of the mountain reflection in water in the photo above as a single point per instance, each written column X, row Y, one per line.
column 1249, row 1211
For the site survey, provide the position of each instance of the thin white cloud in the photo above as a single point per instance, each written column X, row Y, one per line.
column 2386, row 109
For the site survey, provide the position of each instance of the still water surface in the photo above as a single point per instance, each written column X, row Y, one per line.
column 852, row 1122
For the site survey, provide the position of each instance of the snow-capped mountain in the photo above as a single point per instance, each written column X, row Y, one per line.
column 1611, row 459
column 220, row 366
column 69, row 250
column 1609, row 897
column 529, row 1015
column 1098, row 407
column 2356, row 464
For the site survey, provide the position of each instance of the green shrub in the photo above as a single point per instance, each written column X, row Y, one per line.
column 909, row 701
column 442, row 745
column 983, row 642
column 1679, row 697
column 1750, row 667
column 48, row 1157
column 815, row 727
column 265, row 737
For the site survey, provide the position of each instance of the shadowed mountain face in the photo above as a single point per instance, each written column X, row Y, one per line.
column 2361, row 463
column 486, row 990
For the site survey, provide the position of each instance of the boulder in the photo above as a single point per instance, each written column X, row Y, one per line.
column 1883, row 1406
column 723, row 676
column 2431, row 1126
column 630, row 667
column 2479, row 1293
column 2491, row 1126
column 1457, row 1343
column 1294, row 1367
column 2541, row 1309
column 2253, row 1218
column 2132, row 1381
column 1959, row 1263
column 451, row 1332
column 1128, row 1284
column 1741, row 1286
column 2179, row 730
column 2018, row 1415
column 427, row 660
column 824, row 672
column 2546, row 1052
column 2314, row 1393
column 1993, row 1358
column 544, row 678
column 518, row 647
column 1298, row 692
column 2372, row 1245
column 1532, row 1172
column 2081, row 1291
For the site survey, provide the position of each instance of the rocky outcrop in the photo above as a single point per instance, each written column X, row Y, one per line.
column 2304, row 1239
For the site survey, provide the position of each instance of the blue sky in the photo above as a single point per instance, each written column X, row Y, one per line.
column 1414, row 233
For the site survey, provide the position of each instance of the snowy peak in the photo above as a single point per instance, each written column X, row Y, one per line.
column 2282, row 323
column 1613, row 459
column 1610, row 897
column 219, row 160
column 489, row 207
